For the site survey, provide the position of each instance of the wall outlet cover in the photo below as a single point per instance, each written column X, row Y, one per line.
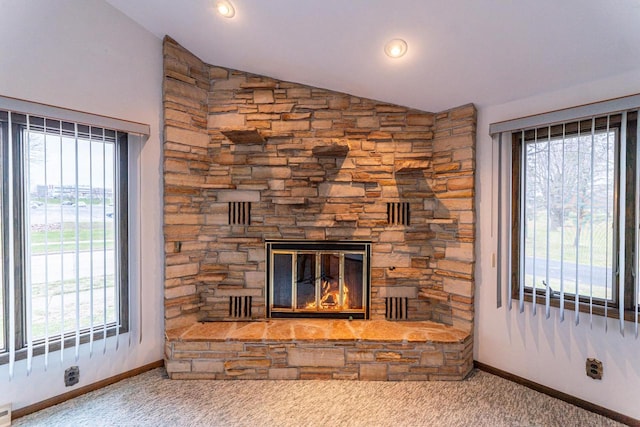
column 72, row 376
column 594, row 368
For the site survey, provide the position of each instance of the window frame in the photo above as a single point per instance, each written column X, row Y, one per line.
column 12, row 170
column 627, row 130
column 4, row 259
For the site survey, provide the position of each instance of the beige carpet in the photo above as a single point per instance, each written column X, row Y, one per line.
column 151, row 399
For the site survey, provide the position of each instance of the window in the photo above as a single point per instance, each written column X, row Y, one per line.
column 65, row 234
column 573, row 213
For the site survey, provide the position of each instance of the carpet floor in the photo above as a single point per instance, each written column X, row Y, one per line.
column 150, row 399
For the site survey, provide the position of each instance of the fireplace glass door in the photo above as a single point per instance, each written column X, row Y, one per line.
column 321, row 279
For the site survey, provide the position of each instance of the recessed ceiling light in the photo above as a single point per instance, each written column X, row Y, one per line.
column 225, row 8
column 395, row 48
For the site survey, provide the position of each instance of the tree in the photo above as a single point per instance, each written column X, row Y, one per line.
column 569, row 178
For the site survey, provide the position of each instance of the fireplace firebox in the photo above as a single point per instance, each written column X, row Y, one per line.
column 318, row 279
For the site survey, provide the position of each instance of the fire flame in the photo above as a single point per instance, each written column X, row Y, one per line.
column 330, row 298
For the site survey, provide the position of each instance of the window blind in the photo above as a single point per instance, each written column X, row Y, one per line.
column 65, row 205
column 571, row 171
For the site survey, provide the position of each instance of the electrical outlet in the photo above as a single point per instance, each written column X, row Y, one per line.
column 5, row 415
column 71, row 376
column 594, row 368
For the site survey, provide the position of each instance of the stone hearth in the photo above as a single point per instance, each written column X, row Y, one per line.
column 319, row 349
column 249, row 159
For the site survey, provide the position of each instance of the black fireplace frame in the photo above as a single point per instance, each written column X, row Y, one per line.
column 320, row 245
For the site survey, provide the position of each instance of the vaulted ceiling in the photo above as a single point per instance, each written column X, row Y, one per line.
column 481, row 51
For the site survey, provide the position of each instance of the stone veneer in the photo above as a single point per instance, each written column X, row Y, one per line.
column 328, row 166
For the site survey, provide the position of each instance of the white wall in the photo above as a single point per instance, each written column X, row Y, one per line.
column 87, row 56
column 84, row 55
column 550, row 352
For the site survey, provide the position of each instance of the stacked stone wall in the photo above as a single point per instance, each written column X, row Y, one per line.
column 314, row 165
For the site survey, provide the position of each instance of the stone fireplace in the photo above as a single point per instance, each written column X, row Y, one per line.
column 313, row 234
column 318, row 279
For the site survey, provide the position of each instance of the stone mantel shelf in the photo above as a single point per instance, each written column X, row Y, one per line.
column 333, row 150
column 407, row 166
column 320, row 330
column 244, row 136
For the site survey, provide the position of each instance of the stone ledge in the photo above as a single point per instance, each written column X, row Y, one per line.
column 320, row 330
column 334, row 150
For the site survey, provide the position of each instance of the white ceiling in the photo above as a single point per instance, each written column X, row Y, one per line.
column 460, row 51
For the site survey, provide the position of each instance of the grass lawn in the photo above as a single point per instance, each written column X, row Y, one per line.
column 60, row 297
column 52, row 240
column 602, row 242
